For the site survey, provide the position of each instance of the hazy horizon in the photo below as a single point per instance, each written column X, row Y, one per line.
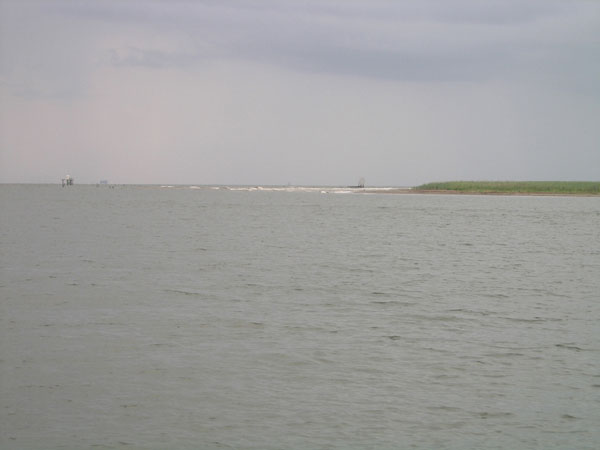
column 267, row 92
column 367, row 186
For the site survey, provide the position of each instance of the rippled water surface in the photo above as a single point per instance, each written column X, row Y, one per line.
column 149, row 317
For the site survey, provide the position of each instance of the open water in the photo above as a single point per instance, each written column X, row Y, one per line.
column 151, row 317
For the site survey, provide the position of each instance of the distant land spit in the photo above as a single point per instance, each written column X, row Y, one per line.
column 513, row 187
column 570, row 188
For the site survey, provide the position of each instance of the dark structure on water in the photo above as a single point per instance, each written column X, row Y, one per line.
column 67, row 181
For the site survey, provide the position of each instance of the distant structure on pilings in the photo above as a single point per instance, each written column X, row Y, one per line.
column 361, row 184
column 67, row 181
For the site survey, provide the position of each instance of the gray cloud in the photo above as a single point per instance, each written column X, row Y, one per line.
column 431, row 40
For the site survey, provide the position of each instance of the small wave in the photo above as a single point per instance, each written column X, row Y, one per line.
column 504, row 354
column 492, row 415
column 179, row 291
column 445, row 408
column 570, row 346
column 469, row 311
column 391, row 303
column 437, row 350
column 533, row 320
column 512, row 347
column 442, row 318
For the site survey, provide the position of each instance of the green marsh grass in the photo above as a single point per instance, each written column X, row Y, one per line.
column 525, row 187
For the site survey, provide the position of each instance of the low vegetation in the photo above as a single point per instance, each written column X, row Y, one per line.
column 525, row 187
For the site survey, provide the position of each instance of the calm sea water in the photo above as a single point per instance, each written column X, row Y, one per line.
column 149, row 317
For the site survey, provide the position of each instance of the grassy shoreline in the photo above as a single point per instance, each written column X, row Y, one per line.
column 513, row 187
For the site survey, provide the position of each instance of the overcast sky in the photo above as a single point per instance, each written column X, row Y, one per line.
column 303, row 92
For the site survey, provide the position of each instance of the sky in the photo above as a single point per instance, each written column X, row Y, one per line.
column 311, row 92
